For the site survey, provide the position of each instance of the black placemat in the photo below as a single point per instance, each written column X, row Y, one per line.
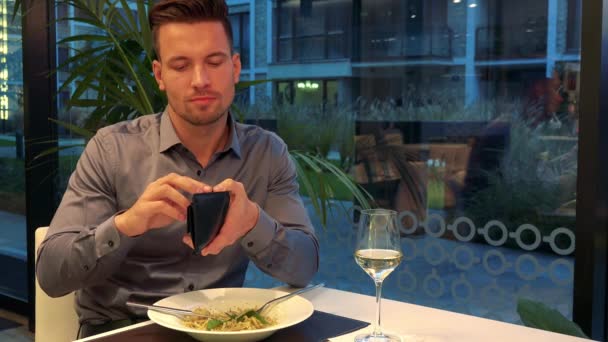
column 318, row 327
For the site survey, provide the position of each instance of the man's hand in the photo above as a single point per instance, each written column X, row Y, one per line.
column 159, row 205
column 242, row 216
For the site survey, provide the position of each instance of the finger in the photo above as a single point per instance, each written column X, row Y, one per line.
column 166, row 209
column 217, row 245
column 185, row 183
column 229, row 185
column 168, row 192
column 187, row 239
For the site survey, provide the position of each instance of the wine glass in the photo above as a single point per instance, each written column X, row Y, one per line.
column 378, row 252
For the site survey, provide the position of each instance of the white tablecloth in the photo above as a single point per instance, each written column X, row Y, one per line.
column 414, row 322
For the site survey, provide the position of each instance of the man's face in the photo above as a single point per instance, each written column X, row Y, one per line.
column 197, row 70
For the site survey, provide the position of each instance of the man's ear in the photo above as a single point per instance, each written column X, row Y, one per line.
column 236, row 62
column 156, row 69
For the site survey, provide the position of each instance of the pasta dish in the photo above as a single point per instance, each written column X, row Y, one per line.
column 231, row 320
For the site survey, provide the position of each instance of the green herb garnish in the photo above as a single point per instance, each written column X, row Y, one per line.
column 214, row 323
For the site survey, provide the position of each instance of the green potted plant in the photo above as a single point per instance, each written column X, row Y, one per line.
column 538, row 315
column 534, row 179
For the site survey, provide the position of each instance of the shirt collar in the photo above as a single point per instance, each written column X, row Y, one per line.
column 235, row 143
column 169, row 138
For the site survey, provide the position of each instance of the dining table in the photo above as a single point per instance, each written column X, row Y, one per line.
column 342, row 315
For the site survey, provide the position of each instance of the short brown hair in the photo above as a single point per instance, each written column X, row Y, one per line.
column 188, row 11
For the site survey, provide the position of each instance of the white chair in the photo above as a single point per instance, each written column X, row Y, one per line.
column 56, row 319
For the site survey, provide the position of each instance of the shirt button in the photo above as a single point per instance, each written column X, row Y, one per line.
column 191, row 287
column 111, row 243
column 86, row 268
column 198, row 173
column 249, row 244
column 269, row 266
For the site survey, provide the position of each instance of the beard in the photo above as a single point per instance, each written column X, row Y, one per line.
column 203, row 120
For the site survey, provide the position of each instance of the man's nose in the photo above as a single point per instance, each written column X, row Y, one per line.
column 200, row 79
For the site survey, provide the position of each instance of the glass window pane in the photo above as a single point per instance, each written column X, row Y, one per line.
column 13, row 252
column 466, row 124
column 332, row 92
column 284, row 93
column 235, row 22
column 310, row 23
column 336, row 46
column 381, row 28
column 241, row 97
column 286, row 18
column 76, row 115
column 245, row 50
column 462, row 116
column 310, row 48
column 574, row 26
column 308, row 92
column 513, row 32
column 339, row 14
column 240, row 35
column 285, row 52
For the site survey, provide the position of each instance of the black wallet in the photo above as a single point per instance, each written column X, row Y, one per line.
column 206, row 216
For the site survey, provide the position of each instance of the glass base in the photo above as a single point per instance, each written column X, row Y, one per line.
column 377, row 338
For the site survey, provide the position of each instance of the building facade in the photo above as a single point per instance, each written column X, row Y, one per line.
column 337, row 51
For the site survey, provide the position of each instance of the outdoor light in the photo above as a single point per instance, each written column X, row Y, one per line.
column 473, row 5
column 308, row 85
column 457, row 1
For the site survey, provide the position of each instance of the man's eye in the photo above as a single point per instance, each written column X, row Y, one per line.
column 179, row 67
column 215, row 62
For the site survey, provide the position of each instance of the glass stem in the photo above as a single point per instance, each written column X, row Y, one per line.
column 377, row 328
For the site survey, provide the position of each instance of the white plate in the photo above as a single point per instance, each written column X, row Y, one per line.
column 287, row 313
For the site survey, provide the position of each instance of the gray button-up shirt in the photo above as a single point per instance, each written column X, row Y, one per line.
column 84, row 252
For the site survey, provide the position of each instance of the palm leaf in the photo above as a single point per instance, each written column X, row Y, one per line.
column 361, row 195
column 80, row 64
column 84, row 37
column 54, row 150
column 87, row 134
column 309, row 188
column 239, row 113
column 146, row 33
column 16, row 9
column 321, row 195
column 101, row 15
column 317, row 195
column 246, row 84
column 74, row 129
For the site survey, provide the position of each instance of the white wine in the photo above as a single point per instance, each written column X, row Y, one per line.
column 378, row 263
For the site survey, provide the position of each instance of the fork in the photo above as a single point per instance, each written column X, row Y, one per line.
column 282, row 298
column 180, row 313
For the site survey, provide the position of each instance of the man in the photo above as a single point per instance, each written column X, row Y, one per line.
column 119, row 233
